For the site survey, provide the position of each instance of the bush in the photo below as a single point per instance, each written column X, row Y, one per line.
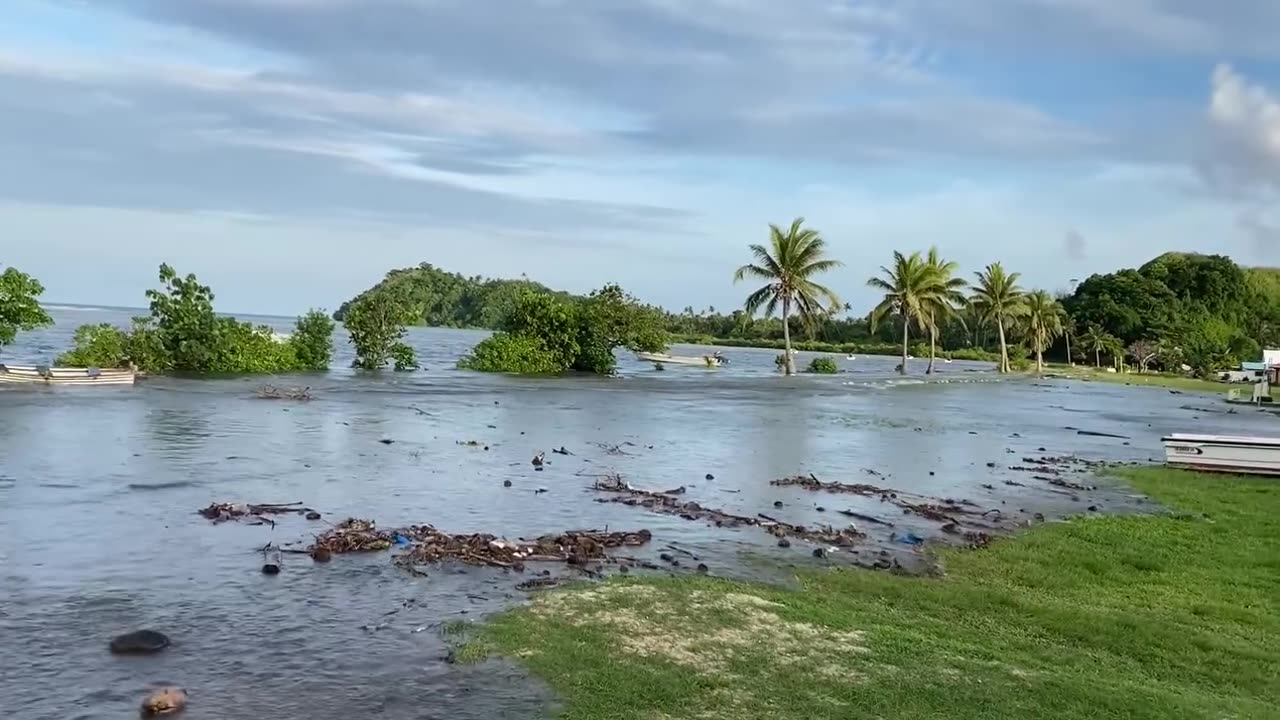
column 823, row 366
column 376, row 323
column 504, row 352
column 545, row 334
column 312, row 340
column 183, row 333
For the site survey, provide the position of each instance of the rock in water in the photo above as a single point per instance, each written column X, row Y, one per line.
column 271, row 568
column 164, row 701
column 140, row 642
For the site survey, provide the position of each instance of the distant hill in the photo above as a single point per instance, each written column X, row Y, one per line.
column 439, row 298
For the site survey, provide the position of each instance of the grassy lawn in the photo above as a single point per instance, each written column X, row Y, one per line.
column 1111, row 617
column 1177, row 382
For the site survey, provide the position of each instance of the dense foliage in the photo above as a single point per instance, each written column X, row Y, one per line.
column 183, row 333
column 434, row 297
column 788, row 265
column 1201, row 310
column 545, row 333
column 823, row 366
column 376, row 322
column 20, row 305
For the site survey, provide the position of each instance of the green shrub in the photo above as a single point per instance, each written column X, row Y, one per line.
column 546, row 334
column 823, row 366
column 376, row 323
column 184, row 334
column 20, row 304
column 505, row 352
column 312, row 340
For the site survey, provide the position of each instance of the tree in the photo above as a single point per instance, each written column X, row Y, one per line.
column 945, row 303
column 20, row 305
column 182, row 313
column 1044, row 322
column 376, row 322
column 788, row 265
column 312, row 340
column 912, row 288
column 1094, row 340
column 999, row 299
column 1143, row 353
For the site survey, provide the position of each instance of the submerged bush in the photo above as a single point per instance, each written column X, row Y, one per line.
column 823, row 366
column 184, row 334
column 376, row 323
column 545, row 334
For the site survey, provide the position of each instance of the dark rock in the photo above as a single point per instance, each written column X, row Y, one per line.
column 313, row 515
column 709, row 476
column 624, row 569
column 991, row 464
column 1039, row 516
column 819, row 552
column 702, row 568
column 139, row 642
column 777, row 503
column 1039, row 449
column 1093, row 508
column 821, row 509
column 951, row 528
column 784, row 543
column 386, row 441
column 931, row 473
column 667, row 557
column 270, row 568
column 506, row 483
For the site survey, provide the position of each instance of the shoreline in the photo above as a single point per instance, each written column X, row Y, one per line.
column 1152, row 615
column 1150, row 379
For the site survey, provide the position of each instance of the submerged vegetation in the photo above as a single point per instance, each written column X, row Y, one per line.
column 823, row 366
column 20, row 305
column 183, row 333
column 1160, row 616
column 376, row 323
column 546, row 334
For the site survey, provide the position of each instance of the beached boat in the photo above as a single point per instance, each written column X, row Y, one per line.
column 1223, row 453
column 665, row 359
column 30, row 374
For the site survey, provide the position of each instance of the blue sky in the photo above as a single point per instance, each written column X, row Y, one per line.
column 290, row 152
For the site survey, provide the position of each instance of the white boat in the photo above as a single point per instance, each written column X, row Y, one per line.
column 851, row 357
column 665, row 359
column 1223, row 453
column 32, row 375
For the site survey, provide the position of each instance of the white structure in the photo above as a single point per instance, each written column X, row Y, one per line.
column 1271, row 357
column 1221, row 453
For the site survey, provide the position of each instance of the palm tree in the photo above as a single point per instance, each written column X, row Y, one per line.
column 1044, row 322
column 1095, row 340
column 944, row 303
column 795, row 255
column 998, row 297
column 1068, row 329
column 910, row 287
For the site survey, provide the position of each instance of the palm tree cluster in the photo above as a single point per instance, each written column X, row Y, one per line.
column 921, row 291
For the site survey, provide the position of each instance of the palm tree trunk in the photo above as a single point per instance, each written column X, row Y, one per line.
column 906, row 334
column 1097, row 358
column 1039, row 360
column 786, row 335
column 1004, row 349
column 1070, row 362
column 933, row 342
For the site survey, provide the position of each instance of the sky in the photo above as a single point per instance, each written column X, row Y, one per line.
column 290, row 152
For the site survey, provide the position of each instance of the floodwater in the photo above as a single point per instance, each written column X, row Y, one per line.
column 98, row 489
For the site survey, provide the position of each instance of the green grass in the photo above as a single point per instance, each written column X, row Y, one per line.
column 1166, row 616
column 1177, row 382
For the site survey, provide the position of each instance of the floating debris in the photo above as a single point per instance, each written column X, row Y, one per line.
column 575, row 547
column 164, row 701
column 538, row 460
column 271, row 392
column 561, row 451
column 658, row 502
column 140, row 642
column 222, row 512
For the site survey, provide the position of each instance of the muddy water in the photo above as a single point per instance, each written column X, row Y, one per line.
column 98, row 489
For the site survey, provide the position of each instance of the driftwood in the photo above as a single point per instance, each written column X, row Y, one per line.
column 658, row 502
column 222, row 512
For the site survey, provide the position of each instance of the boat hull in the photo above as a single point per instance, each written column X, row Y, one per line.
column 31, row 375
column 1223, row 453
column 706, row 361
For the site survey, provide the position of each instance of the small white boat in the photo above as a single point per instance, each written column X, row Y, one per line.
column 32, row 375
column 850, row 357
column 665, row 359
column 1223, row 453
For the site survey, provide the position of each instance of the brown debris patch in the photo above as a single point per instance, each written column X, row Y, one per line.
column 271, row 392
